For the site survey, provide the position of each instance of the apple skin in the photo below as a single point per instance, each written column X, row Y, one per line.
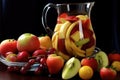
column 92, row 62
column 39, row 52
column 11, row 57
column 22, row 56
column 28, row 42
column 45, row 42
column 8, row 45
column 113, row 57
column 107, row 73
column 54, row 63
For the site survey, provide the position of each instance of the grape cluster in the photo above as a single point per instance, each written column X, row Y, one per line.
column 40, row 60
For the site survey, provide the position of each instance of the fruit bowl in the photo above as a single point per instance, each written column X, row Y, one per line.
column 18, row 64
column 8, row 63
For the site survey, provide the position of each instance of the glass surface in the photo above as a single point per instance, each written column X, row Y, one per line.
column 73, row 34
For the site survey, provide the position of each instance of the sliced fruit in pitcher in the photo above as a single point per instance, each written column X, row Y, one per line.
column 75, row 36
column 71, row 18
column 61, row 18
column 82, row 42
column 62, row 50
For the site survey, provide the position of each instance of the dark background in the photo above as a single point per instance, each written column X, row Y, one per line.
column 20, row 16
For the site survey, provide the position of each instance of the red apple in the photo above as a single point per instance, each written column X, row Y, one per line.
column 8, row 45
column 28, row 42
column 92, row 62
column 23, row 56
column 107, row 73
column 114, row 57
column 39, row 52
column 54, row 63
column 11, row 57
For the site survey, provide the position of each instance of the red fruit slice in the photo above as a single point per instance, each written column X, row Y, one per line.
column 67, row 18
column 88, row 34
column 63, row 15
column 71, row 18
column 86, row 24
column 76, row 28
column 61, row 46
column 89, row 44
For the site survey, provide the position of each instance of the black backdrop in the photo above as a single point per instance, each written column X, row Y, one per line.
column 20, row 16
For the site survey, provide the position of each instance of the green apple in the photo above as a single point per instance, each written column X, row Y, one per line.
column 102, row 59
column 54, row 63
column 71, row 68
column 28, row 42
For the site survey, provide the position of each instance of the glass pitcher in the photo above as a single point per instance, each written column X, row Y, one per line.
column 73, row 34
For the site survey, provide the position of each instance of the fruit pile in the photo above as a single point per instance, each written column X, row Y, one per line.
column 73, row 36
column 107, row 65
column 39, row 51
column 28, row 49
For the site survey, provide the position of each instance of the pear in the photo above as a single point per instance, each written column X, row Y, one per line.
column 71, row 68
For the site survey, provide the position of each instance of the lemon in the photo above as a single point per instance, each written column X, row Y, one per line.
column 116, row 65
column 85, row 72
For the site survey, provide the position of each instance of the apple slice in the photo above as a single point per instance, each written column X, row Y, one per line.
column 55, row 40
column 102, row 59
column 68, row 33
column 82, row 42
column 63, row 29
column 71, row 68
column 57, row 27
column 82, row 17
column 75, row 36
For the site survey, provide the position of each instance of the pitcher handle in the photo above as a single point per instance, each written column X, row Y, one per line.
column 44, row 18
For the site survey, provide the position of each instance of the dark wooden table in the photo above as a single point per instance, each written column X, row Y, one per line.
column 5, row 75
